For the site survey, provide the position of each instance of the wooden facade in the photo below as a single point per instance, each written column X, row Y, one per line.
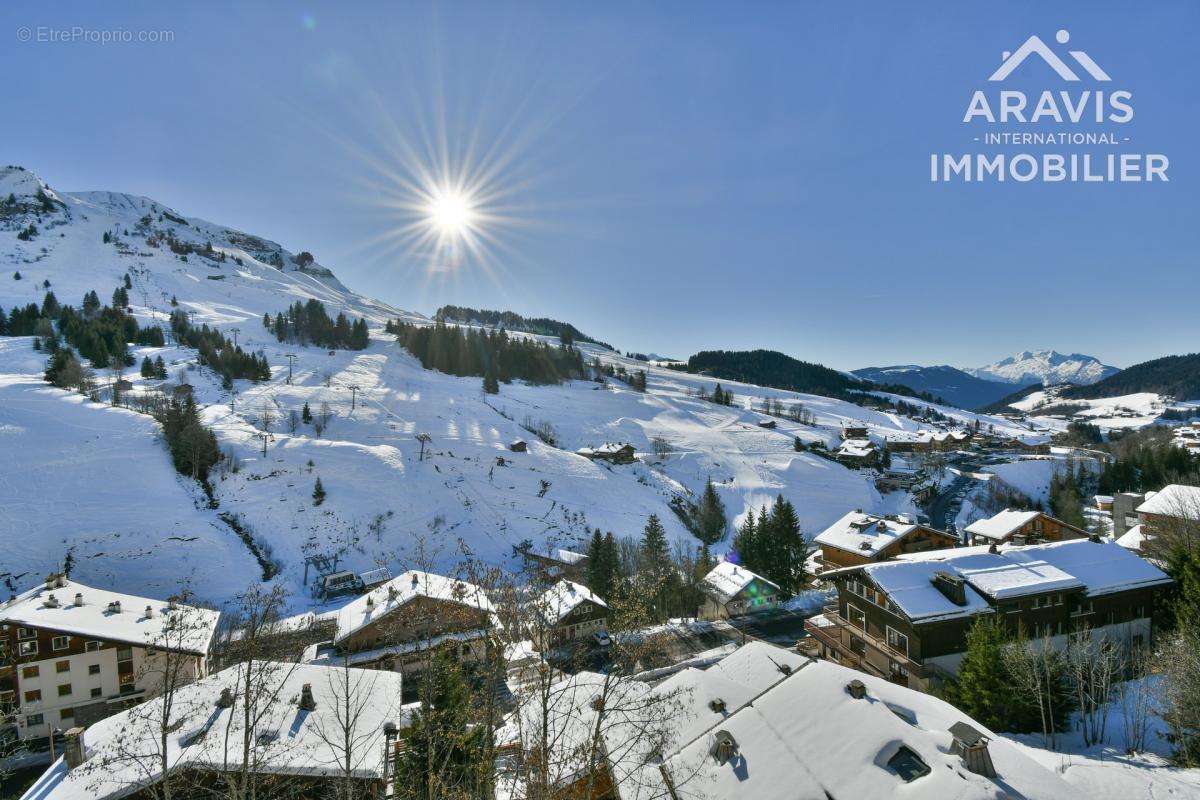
column 1042, row 528
column 921, row 539
column 866, row 631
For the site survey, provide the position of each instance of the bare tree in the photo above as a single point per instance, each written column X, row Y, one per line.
column 343, row 731
column 142, row 749
column 293, row 421
column 1035, row 666
column 1136, row 699
column 1093, row 664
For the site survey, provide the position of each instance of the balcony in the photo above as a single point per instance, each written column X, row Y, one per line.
column 864, row 651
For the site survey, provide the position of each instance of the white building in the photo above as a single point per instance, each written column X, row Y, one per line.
column 299, row 734
column 77, row 654
column 731, row 590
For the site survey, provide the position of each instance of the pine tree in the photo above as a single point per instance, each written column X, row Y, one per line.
column 712, row 522
column 306, row 415
column 597, row 573
column 785, row 547
column 128, row 281
column 147, row 367
column 490, row 384
column 160, row 368
column 50, row 306
column 983, row 688
column 318, row 494
column 746, row 544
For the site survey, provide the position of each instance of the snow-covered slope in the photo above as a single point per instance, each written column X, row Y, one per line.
column 90, row 478
column 1048, row 367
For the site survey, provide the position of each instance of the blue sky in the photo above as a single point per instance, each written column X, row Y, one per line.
column 671, row 177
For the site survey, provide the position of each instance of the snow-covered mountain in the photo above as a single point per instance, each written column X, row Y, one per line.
column 92, row 484
column 949, row 383
column 1048, row 367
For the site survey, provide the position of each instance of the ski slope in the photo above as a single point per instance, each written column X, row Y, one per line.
column 384, row 505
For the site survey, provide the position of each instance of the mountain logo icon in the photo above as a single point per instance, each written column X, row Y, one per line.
column 1034, row 45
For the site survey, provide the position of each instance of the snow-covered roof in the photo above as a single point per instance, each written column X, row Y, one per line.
column 1133, row 539
column 856, row 448
column 839, row 747
column 758, row 665
column 374, row 605
column 909, row 584
column 97, row 618
column 1176, row 500
column 864, row 534
column 569, row 556
column 287, row 740
column 564, row 597
column 1096, row 567
column 727, row 580
column 1001, row 525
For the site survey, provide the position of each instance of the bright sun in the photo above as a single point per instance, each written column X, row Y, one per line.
column 451, row 212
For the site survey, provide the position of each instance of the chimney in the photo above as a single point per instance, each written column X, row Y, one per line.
column 953, row 587
column 74, row 752
column 51, row 601
column 115, row 607
column 370, row 601
column 392, row 593
column 724, row 747
column 149, row 612
column 881, row 526
column 226, row 698
column 717, row 705
column 414, row 580
column 972, row 747
column 172, row 604
column 1095, row 538
column 992, row 548
column 307, row 701
column 856, row 689
column 52, row 580
column 79, row 598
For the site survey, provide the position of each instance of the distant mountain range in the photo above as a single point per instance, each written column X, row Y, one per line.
column 949, row 383
column 1048, row 367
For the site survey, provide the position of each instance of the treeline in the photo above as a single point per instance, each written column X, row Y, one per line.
column 310, row 323
column 780, row 371
column 1146, row 461
column 636, row 380
column 1177, row 376
column 101, row 334
column 219, row 353
column 496, row 356
column 510, row 320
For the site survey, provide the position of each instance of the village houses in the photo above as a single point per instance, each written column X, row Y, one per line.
column 731, row 590
column 1021, row 527
column 859, row 538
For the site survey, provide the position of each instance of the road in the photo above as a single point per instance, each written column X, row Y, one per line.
column 779, row 627
column 945, row 506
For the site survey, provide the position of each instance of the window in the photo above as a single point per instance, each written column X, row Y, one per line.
column 33, row 696
column 126, row 688
column 27, row 648
column 96, row 692
column 26, row 633
column 908, row 765
column 1139, row 612
column 30, row 672
column 60, row 642
column 62, row 666
column 33, row 720
column 91, row 647
column 64, row 689
column 1084, row 607
column 1058, row 600
column 93, row 669
column 856, row 617
column 897, row 641
column 66, row 713
column 124, row 653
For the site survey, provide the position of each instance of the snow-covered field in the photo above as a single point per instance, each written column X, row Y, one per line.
column 384, row 504
column 1106, row 771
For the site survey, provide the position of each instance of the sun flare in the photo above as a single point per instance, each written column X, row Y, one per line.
column 451, row 212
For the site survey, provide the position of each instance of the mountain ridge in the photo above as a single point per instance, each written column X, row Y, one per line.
column 1048, row 367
